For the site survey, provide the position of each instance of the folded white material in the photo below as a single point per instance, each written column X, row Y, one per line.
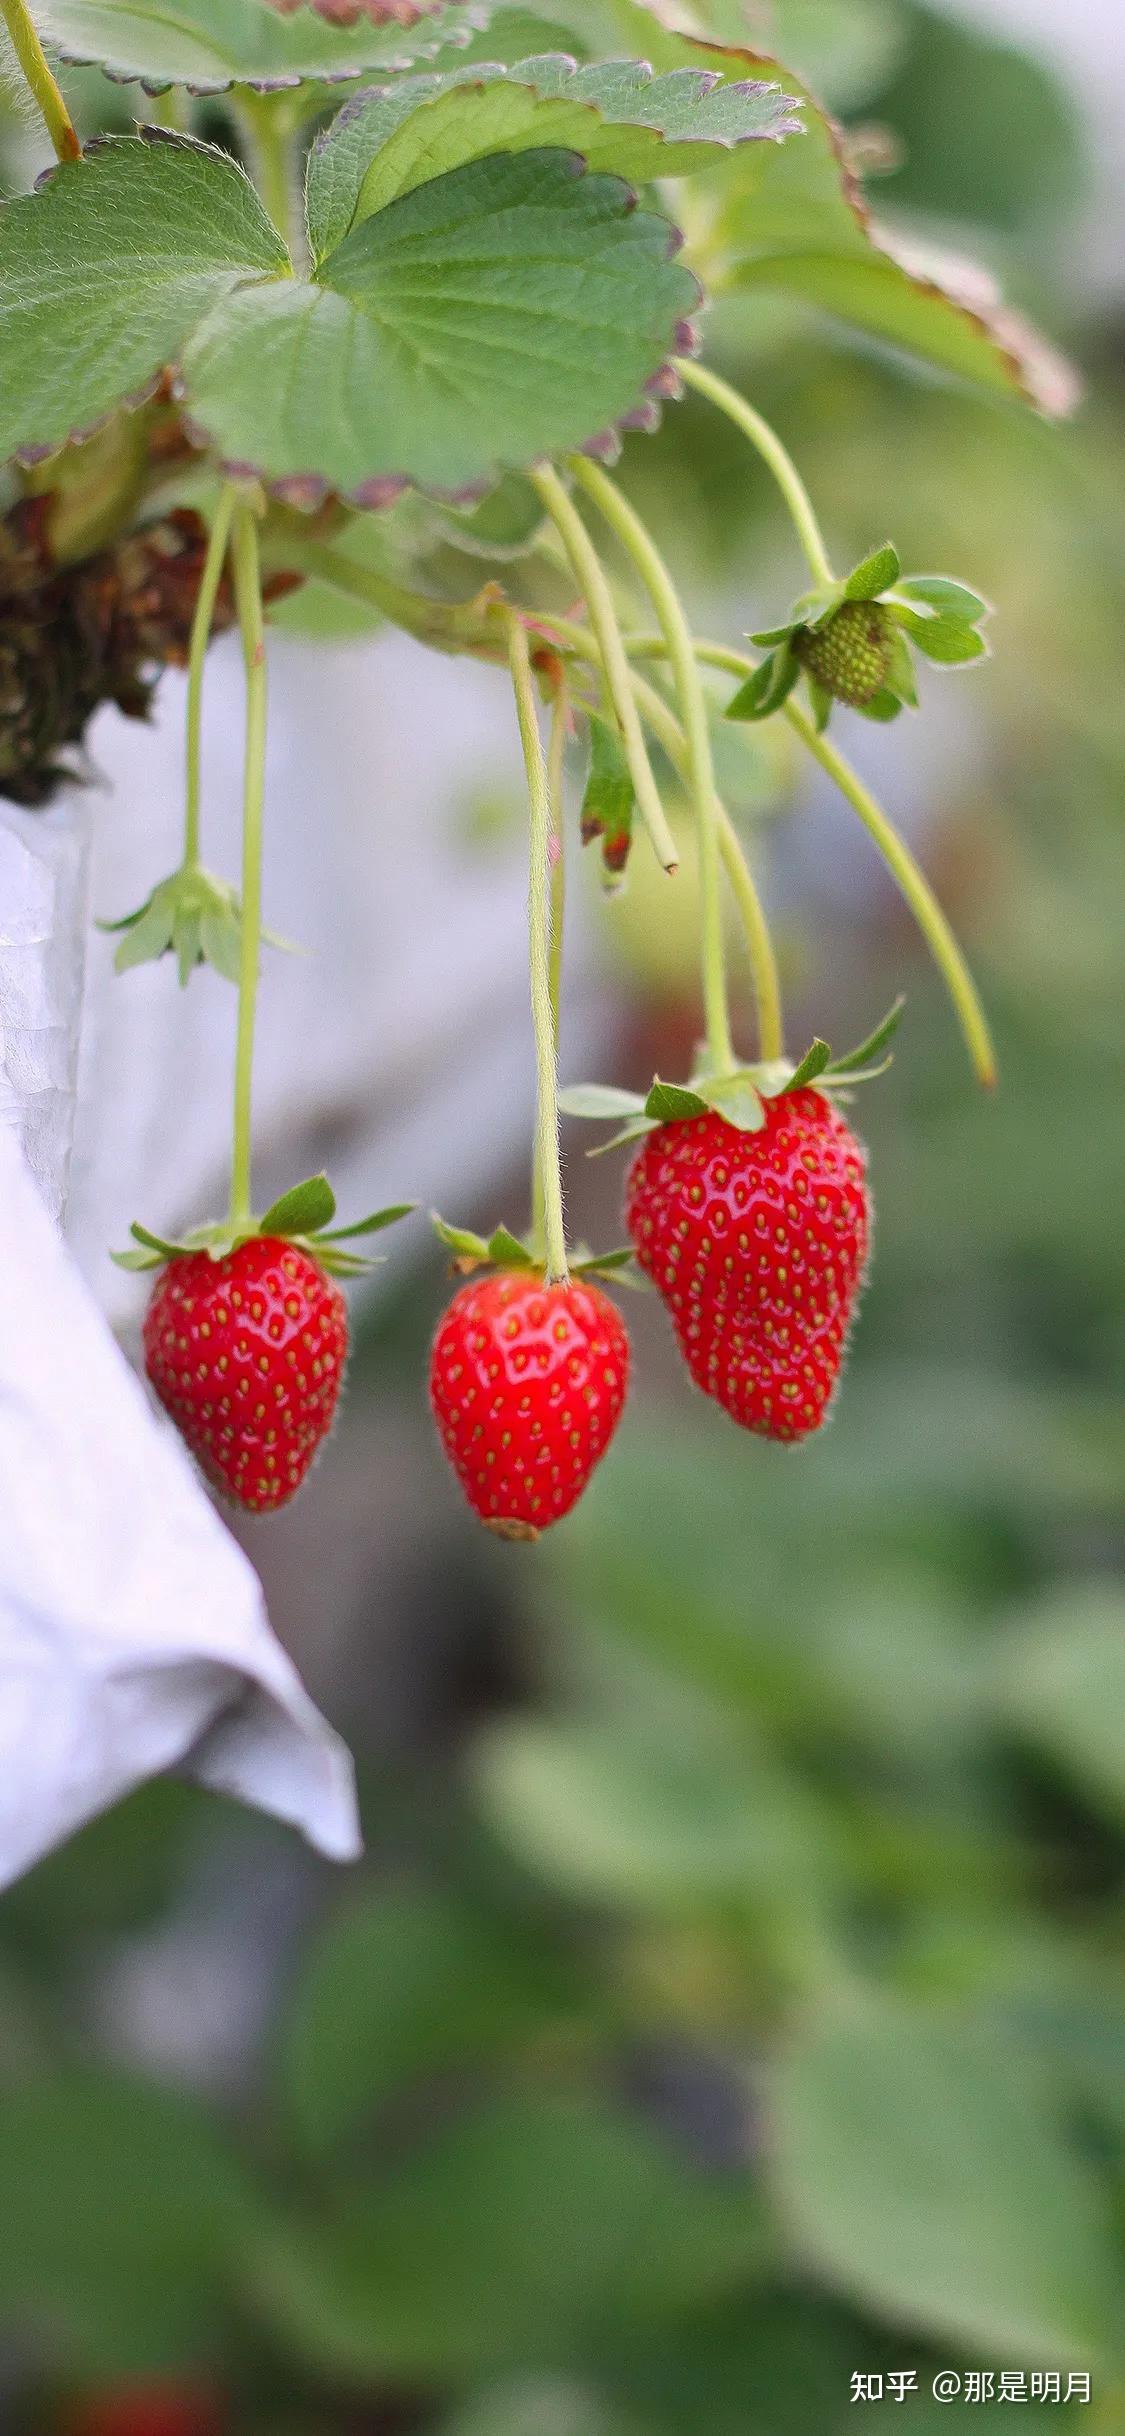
column 133, row 1635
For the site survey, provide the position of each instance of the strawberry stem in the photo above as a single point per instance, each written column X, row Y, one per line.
column 32, row 60
column 200, row 638
column 549, row 1213
column 762, row 437
column 591, row 579
column 248, row 593
column 641, row 549
column 560, row 723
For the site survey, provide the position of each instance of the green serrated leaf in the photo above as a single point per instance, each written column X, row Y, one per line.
column 876, row 1042
column 303, row 1210
column 124, row 251
column 502, row 313
column 816, row 1061
column 873, row 575
column 370, row 1226
column 794, row 220
column 619, row 117
column 209, row 45
column 951, row 641
column 669, row 1102
column 734, row 1097
column 598, row 1100
column 609, row 803
column 508, row 1252
column 941, row 593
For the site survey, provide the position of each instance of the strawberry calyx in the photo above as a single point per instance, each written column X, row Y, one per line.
column 504, row 1250
column 739, row 1096
column 853, row 640
column 302, row 1216
column 193, row 916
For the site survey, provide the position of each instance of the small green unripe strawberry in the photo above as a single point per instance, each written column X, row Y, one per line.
column 850, row 655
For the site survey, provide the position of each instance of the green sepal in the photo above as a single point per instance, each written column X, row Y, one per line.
column 949, row 599
column 373, row 1225
column 600, row 1101
column 191, row 915
column 883, row 707
column 951, row 641
column 671, row 1103
column 736, row 1098
column 815, row 1062
column 820, row 703
column 900, row 672
column 873, row 575
column 303, row 1210
column 459, row 1240
column 871, row 1049
column 508, row 1251
column 138, row 1261
column 768, row 688
column 624, row 1140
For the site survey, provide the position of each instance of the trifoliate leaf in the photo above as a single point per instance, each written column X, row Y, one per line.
column 619, row 117
column 209, row 45
column 508, row 311
column 303, row 1210
column 609, row 803
column 107, row 269
column 873, row 575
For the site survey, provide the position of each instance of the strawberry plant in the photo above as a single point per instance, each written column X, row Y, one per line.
column 371, row 271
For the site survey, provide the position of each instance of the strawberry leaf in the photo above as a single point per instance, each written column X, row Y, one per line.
column 609, row 803
column 619, row 117
column 304, row 1210
column 125, row 251
column 504, row 312
column 209, row 45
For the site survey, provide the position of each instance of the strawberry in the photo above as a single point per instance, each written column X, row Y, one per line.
column 147, row 2410
column 758, row 1244
column 527, row 1384
column 850, row 655
column 247, row 1354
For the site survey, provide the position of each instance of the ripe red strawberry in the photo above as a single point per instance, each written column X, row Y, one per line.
column 758, row 1244
column 147, row 2410
column 527, row 1383
column 247, row 1354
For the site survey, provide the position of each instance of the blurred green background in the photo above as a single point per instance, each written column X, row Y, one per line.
column 733, row 2000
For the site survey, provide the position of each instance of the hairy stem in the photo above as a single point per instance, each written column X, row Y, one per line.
column 560, row 722
column 590, row 577
column 200, row 637
column 917, row 891
column 248, row 591
column 32, row 60
column 267, row 125
column 641, row 549
column 549, row 1213
column 762, row 437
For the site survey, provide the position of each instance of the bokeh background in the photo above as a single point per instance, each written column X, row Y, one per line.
column 733, row 1998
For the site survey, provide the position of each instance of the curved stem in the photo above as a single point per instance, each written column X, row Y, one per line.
column 591, row 580
column 560, row 722
column 549, row 1178
column 762, row 437
column 200, row 637
column 248, row 591
column 917, row 891
column 752, row 912
column 637, row 541
column 266, row 123
column 33, row 61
